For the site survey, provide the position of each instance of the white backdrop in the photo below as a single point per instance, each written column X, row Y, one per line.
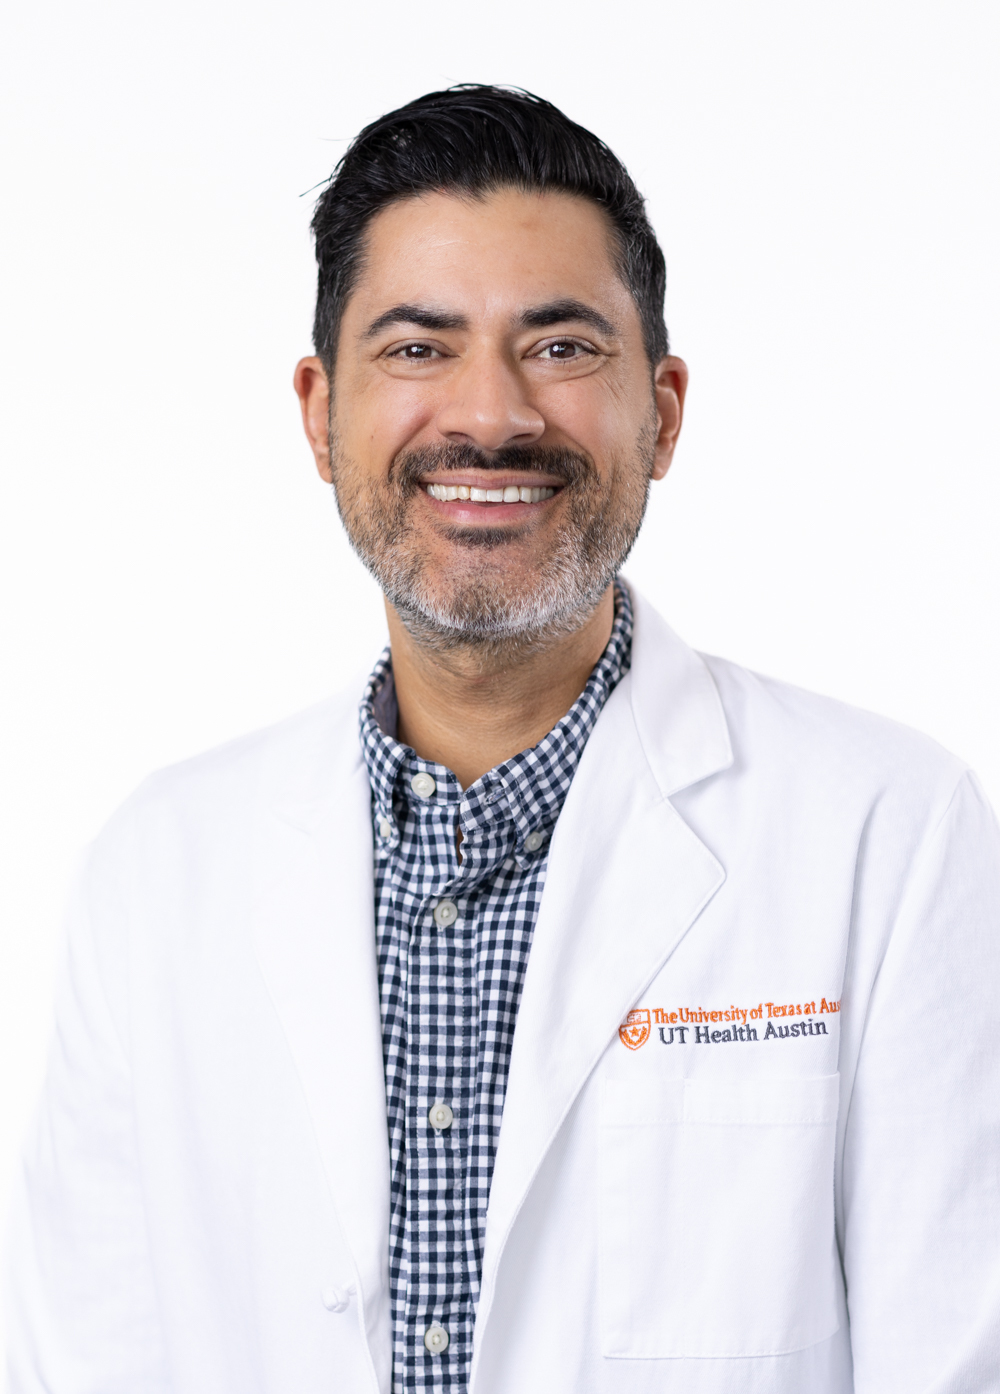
column 823, row 179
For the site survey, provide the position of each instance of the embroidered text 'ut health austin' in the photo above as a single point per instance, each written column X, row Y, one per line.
column 697, row 1026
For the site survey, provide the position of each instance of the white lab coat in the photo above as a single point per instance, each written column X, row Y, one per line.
column 205, row 1201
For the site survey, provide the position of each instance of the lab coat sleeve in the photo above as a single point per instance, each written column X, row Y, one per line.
column 81, row 1306
column 921, row 1177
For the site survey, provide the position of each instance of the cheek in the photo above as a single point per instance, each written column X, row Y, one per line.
column 600, row 416
column 377, row 417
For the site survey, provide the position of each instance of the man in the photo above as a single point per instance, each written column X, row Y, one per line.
column 584, row 1015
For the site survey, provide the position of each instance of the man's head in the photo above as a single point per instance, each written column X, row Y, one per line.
column 489, row 317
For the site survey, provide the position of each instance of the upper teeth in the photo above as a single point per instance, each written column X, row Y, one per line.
column 511, row 494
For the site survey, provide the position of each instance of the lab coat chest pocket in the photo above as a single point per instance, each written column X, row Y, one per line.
column 717, row 1232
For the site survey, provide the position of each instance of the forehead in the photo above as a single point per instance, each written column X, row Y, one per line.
column 494, row 253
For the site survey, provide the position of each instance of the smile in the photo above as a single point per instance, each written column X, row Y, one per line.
column 512, row 493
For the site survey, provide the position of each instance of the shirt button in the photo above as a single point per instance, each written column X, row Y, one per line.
column 385, row 829
column 533, row 841
column 422, row 785
column 436, row 1339
column 446, row 913
column 440, row 1116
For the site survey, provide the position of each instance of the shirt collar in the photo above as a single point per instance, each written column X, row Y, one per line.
column 529, row 789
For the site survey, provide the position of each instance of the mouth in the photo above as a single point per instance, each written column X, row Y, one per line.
column 510, row 493
column 468, row 499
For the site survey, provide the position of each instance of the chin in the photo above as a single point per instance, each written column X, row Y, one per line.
column 497, row 608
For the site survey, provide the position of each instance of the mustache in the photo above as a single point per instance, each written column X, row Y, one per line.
column 554, row 460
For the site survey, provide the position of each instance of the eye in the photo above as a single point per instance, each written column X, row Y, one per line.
column 414, row 353
column 565, row 349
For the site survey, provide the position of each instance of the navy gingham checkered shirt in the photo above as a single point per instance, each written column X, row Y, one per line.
column 453, row 939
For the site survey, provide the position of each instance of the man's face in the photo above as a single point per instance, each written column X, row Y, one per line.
column 495, row 420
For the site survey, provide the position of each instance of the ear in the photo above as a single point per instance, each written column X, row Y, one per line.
column 313, row 391
column 670, row 387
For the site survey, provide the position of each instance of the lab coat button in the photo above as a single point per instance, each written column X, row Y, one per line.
column 336, row 1299
column 436, row 1339
column 440, row 1116
column 423, row 785
column 446, row 913
column 533, row 841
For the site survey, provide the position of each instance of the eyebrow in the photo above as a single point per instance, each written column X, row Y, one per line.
column 564, row 312
column 419, row 315
column 537, row 317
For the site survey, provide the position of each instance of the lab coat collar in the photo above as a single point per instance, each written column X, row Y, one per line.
column 676, row 706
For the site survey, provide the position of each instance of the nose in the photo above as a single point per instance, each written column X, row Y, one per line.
column 486, row 404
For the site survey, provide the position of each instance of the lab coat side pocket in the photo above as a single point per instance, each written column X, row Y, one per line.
column 717, row 1226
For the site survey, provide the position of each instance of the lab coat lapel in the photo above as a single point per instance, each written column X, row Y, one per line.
column 626, row 880
column 315, row 942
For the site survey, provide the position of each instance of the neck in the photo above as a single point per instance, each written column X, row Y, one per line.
column 470, row 710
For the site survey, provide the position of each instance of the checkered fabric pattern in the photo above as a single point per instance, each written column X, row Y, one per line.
column 450, row 985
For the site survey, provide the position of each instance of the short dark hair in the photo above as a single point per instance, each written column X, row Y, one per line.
column 476, row 139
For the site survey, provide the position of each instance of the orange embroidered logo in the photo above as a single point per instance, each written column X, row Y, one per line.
column 634, row 1030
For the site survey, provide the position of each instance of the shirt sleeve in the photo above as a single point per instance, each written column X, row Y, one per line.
column 81, row 1304
column 921, row 1171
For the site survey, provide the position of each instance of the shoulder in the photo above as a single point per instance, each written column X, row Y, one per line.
column 770, row 735
column 219, row 792
column 801, row 734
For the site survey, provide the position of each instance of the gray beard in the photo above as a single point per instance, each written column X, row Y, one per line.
column 478, row 607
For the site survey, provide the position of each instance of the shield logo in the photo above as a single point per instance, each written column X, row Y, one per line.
column 634, row 1030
